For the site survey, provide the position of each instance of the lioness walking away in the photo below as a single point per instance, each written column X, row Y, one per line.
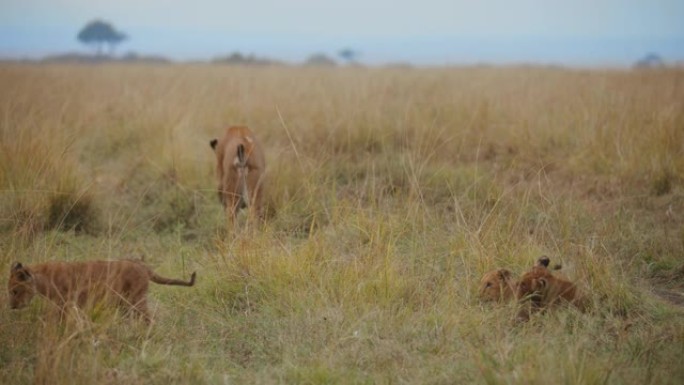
column 240, row 167
column 123, row 283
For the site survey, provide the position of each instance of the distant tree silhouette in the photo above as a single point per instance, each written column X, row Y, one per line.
column 98, row 33
column 651, row 60
column 348, row 55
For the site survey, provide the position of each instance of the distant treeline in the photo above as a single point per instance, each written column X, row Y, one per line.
column 649, row 61
column 235, row 58
column 130, row 57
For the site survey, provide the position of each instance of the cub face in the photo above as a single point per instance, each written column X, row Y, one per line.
column 497, row 285
column 533, row 284
column 21, row 287
column 539, row 289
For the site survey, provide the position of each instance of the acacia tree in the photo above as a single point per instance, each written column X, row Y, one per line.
column 348, row 54
column 98, row 33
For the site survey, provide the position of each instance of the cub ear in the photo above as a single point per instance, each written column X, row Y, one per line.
column 213, row 143
column 21, row 272
column 543, row 261
column 504, row 274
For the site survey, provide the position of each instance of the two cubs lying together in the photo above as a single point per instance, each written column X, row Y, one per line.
column 537, row 289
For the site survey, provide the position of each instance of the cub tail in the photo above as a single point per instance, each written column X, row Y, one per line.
column 170, row 281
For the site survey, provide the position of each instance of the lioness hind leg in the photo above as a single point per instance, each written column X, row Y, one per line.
column 256, row 210
column 232, row 207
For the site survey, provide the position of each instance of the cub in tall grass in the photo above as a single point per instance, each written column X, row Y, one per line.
column 500, row 285
column 240, row 168
column 497, row 286
column 123, row 283
column 539, row 289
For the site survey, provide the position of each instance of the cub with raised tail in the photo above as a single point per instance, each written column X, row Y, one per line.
column 123, row 283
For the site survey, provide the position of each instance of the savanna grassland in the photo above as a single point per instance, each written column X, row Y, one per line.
column 391, row 191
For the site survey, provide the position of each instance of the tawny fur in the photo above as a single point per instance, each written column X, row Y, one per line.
column 123, row 283
column 240, row 185
column 540, row 289
column 500, row 285
column 497, row 286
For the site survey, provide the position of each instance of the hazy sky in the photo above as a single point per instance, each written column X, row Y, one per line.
column 585, row 32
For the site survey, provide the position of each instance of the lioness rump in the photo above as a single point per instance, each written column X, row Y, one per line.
column 240, row 168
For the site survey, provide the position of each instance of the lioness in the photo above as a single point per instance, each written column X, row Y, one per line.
column 240, row 167
column 122, row 282
column 539, row 289
column 499, row 285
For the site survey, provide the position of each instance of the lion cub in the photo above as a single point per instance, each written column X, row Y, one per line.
column 123, row 283
column 240, row 168
column 539, row 289
column 497, row 286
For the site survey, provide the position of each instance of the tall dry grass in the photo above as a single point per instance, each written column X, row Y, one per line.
column 394, row 190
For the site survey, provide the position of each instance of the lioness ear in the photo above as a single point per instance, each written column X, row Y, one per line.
column 17, row 266
column 213, row 143
column 504, row 274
